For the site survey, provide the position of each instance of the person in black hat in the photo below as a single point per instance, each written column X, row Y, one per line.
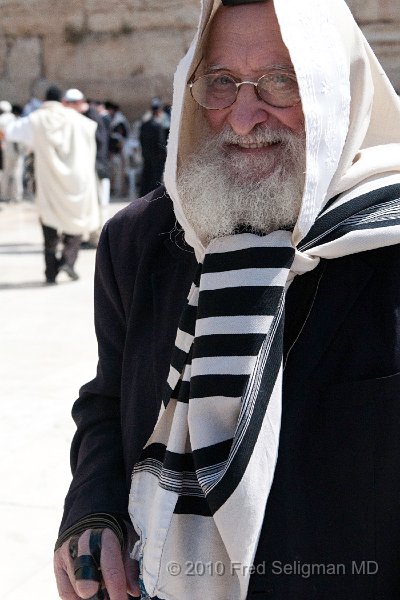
column 152, row 140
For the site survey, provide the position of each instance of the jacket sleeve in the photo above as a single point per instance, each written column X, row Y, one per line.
column 99, row 483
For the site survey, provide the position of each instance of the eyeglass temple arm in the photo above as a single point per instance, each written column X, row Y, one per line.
column 191, row 78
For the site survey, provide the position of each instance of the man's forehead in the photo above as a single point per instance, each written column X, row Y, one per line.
column 249, row 33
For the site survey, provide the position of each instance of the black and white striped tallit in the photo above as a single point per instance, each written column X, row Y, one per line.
column 207, row 470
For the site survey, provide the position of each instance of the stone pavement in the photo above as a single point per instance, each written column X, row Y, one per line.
column 47, row 351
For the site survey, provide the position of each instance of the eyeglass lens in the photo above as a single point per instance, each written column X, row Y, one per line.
column 217, row 91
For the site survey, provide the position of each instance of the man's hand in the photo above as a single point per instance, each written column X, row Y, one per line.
column 118, row 571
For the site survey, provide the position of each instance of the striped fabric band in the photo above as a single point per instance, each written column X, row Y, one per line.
column 235, row 311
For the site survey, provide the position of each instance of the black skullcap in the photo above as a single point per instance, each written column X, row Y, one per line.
column 237, row 2
column 156, row 103
column 53, row 93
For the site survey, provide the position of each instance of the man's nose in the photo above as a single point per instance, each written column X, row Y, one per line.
column 247, row 111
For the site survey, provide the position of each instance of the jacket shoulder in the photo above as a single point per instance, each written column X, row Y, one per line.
column 143, row 219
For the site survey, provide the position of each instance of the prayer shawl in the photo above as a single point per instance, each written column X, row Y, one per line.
column 200, row 489
column 65, row 152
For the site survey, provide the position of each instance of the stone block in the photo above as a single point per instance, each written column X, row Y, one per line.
column 370, row 11
column 16, row 92
column 24, row 60
column 90, row 60
column 115, row 58
column 389, row 10
column 158, row 54
column 382, row 33
column 161, row 7
column 35, row 17
column 364, row 11
column 175, row 17
column 3, row 56
column 117, row 22
column 73, row 28
column 104, row 6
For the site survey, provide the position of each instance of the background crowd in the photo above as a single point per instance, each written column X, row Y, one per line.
column 71, row 154
column 129, row 157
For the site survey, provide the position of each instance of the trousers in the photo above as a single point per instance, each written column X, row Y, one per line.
column 69, row 253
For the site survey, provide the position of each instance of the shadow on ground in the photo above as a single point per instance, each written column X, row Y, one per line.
column 30, row 285
column 20, row 249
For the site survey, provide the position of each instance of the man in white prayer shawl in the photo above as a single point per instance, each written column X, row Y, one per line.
column 247, row 316
column 64, row 145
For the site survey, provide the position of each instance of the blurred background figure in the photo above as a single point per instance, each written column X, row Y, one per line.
column 103, row 112
column 105, row 119
column 167, row 120
column 32, row 105
column 64, row 145
column 153, row 142
column 133, row 162
column 119, row 131
column 11, row 188
column 29, row 158
column 75, row 99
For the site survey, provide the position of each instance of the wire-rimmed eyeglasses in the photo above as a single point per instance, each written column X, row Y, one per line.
column 216, row 91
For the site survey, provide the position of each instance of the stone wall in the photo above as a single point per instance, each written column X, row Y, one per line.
column 380, row 22
column 127, row 50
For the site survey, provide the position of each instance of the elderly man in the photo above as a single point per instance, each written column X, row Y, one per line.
column 64, row 146
column 283, row 176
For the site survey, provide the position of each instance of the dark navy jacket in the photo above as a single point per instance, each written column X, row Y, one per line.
column 335, row 499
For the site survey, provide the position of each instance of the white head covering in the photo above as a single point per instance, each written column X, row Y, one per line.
column 352, row 113
column 215, row 449
column 73, row 95
column 5, row 106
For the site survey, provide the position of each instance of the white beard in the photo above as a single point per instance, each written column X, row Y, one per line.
column 223, row 194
